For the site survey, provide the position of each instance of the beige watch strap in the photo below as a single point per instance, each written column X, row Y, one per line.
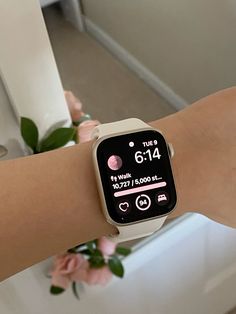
column 140, row 229
column 119, row 127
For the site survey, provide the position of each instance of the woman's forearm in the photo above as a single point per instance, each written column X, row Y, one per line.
column 205, row 156
column 49, row 202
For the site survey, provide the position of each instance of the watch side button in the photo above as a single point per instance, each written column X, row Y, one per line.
column 171, row 151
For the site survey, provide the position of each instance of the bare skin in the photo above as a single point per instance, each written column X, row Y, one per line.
column 49, row 202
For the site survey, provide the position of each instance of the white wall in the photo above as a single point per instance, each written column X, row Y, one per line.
column 190, row 45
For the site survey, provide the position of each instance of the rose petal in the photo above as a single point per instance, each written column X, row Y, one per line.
column 106, row 276
column 107, row 246
column 74, row 105
column 85, row 130
column 99, row 276
column 72, row 265
column 92, row 276
column 59, row 280
column 67, row 263
column 81, row 273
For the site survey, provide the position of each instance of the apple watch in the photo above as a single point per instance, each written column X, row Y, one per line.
column 134, row 177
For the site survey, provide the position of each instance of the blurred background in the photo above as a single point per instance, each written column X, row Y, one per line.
column 108, row 89
column 183, row 51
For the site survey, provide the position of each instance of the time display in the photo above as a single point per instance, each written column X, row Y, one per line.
column 141, row 156
column 136, row 176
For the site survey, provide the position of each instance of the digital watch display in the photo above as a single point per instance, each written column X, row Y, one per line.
column 136, row 176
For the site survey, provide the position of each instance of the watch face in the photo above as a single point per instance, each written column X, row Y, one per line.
column 136, row 176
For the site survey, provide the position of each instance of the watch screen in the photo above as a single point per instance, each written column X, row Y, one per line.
column 136, row 176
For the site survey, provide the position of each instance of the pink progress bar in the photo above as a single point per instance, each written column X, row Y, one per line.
column 140, row 189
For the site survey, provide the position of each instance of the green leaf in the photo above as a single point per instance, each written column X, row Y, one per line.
column 29, row 132
column 72, row 251
column 75, row 137
column 91, row 246
column 123, row 250
column 56, row 290
column 56, row 139
column 55, row 126
column 96, row 259
column 85, row 252
column 116, row 266
column 74, row 289
column 75, row 248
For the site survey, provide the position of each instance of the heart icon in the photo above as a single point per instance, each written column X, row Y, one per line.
column 124, row 206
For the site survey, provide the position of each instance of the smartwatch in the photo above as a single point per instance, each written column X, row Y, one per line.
column 134, row 177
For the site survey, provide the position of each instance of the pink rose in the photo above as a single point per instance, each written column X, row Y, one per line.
column 98, row 276
column 85, row 130
column 82, row 272
column 68, row 268
column 107, row 246
column 74, row 106
column 74, row 267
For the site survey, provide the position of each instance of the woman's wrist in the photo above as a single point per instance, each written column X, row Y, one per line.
column 83, row 190
column 204, row 137
column 174, row 133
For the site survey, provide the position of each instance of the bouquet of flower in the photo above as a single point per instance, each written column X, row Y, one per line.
column 93, row 262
